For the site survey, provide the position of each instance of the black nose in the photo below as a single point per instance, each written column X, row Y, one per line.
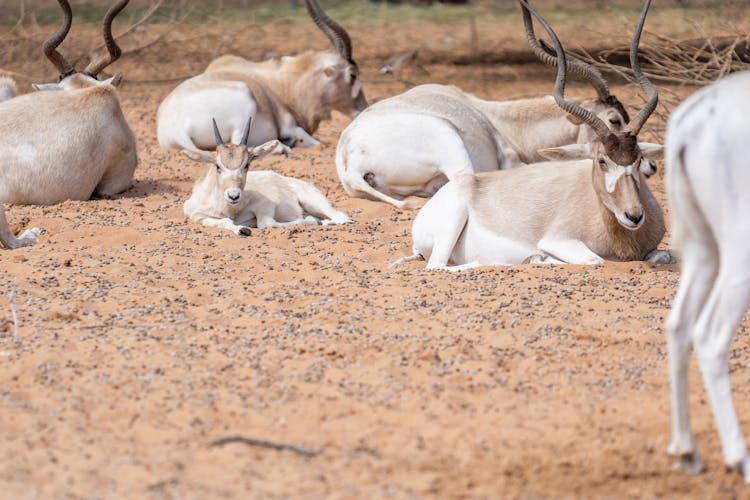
column 237, row 197
column 635, row 219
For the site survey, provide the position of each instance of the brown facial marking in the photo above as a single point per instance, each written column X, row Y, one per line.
column 232, row 157
column 622, row 149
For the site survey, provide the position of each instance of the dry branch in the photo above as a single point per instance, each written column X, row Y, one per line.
column 696, row 61
column 265, row 444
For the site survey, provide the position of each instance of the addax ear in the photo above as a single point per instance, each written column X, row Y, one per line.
column 263, row 150
column 569, row 152
column 199, row 156
column 651, row 151
column 113, row 80
column 574, row 119
column 46, row 86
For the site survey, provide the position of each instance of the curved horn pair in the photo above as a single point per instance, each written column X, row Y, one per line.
column 63, row 66
column 574, row 109
column 333, row 30
column 245, row 134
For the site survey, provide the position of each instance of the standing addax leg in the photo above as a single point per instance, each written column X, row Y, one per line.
column 699, row 268
column 713, row 333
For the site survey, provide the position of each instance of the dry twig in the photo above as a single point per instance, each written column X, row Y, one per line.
column 693, row 62
column 265, row 444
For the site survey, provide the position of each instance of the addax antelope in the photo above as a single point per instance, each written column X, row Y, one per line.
column 229, row 196
column 287, row 97
column 706, row 177
column 413, row 143
column 580, row 212
column 70, row 140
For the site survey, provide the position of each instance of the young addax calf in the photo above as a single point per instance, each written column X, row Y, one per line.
column 707, row 178
column 580, row 212
column 229, row 196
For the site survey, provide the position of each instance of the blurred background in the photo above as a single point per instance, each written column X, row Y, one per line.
column 685, row 42
column 46, row 11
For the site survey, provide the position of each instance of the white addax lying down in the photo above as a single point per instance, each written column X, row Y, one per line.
column 70, row 140
column 580, row 212
column 8, row 90
column 229, row 196
column 287, row 97
column 707, row 176
column 413, row 143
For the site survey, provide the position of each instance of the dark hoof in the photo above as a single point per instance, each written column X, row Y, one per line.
column 245, row 231
column 691, row 463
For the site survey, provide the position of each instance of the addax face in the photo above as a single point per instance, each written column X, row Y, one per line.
column 232, row 165
column 617, row 179
column 342, row 87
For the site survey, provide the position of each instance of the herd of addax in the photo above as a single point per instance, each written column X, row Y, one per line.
column 547, row 179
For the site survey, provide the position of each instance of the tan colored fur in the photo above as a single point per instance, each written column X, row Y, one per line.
column 532, row 124
column 65, row 144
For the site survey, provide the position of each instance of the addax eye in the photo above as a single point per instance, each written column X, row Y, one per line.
column 602, row 163
column 218, row 168
column 615, row 121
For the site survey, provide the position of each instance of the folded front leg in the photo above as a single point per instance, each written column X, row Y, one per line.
column 226, row 223
column 569, row 250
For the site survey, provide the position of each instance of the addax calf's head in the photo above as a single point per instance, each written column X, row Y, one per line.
column 618, row 157
column 232, row 163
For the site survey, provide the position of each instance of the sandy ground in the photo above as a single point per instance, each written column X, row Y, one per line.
column 144, row 337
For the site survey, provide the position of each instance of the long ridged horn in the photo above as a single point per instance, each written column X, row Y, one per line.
column 219, row 142
column 333, row 30
column 574, row 109
column 653, row 95
column 50, row 46
column 246, row 133
column 580, row 68
column 610, row 99
column 113, row 49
